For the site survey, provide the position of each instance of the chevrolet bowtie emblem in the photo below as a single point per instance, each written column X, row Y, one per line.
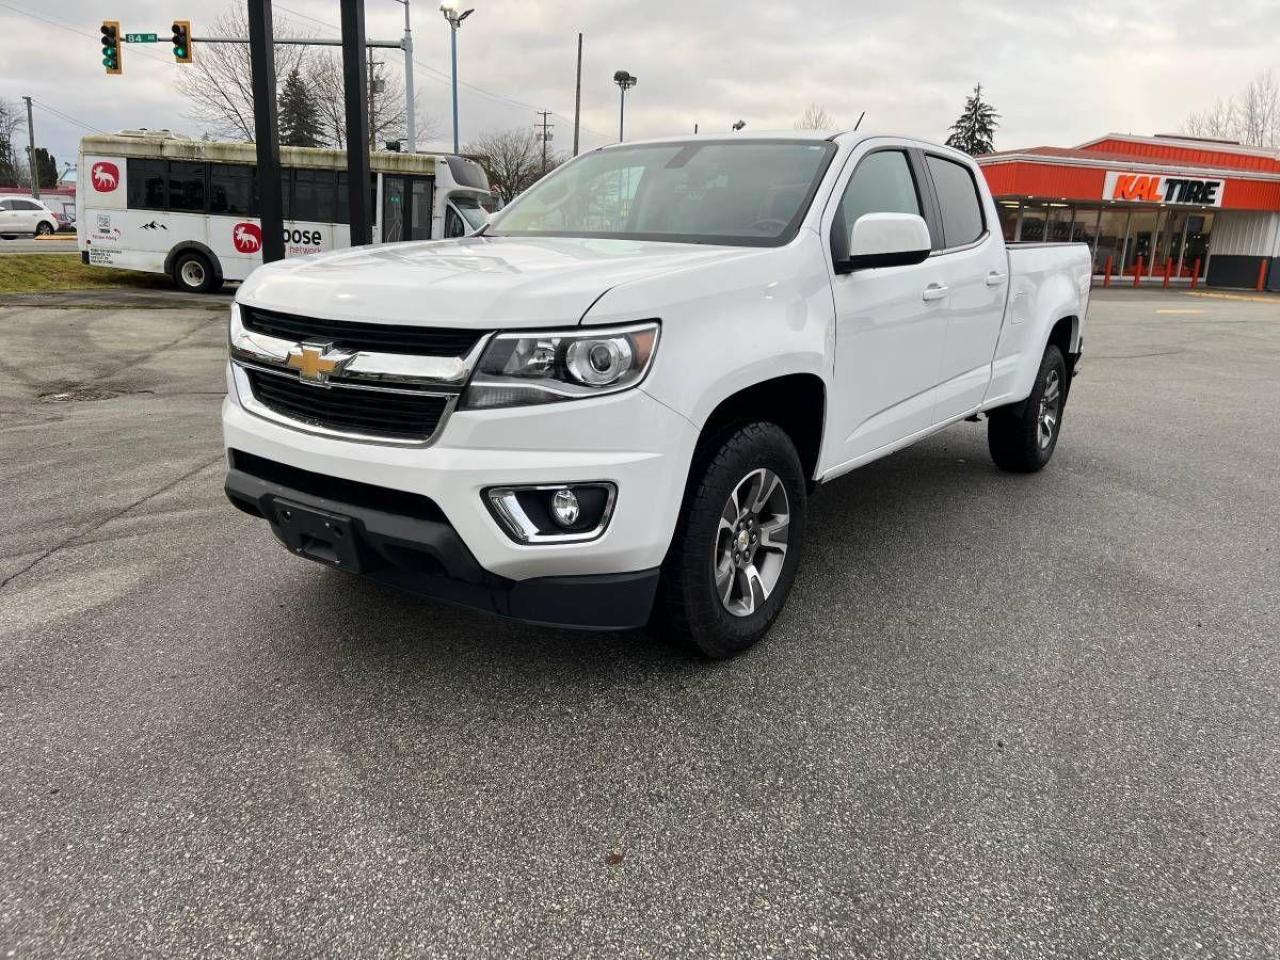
column 316, row 361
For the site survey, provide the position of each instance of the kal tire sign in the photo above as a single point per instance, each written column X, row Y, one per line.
column 1154, row 188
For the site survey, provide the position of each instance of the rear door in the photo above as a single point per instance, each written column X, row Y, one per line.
column 973, row 267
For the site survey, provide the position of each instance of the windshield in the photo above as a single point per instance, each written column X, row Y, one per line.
column 739, row 192
column 471, row 211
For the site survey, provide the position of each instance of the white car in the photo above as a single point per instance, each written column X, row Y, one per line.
column 614, row 401
column 23, row 215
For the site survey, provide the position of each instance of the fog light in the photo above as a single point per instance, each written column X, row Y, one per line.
column 553, row 512
column 564, row 507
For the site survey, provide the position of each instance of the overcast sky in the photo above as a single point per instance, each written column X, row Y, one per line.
column 1059, row 72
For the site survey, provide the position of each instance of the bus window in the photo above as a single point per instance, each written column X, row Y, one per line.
column 231, row 190
column 314, row 197
column 146, row 184
column 186, row 186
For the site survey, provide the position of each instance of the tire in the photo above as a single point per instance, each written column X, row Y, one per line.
column 1023, row 436
column 43, row 229
column 734, row 508
column 193, row 273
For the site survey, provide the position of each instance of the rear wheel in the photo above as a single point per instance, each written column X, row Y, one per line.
column 1023, row 436
column 193, row 272
column 737, row 544
column 44, row 228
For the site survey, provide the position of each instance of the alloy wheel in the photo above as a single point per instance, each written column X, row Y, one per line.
column 1050, row 409
column 751, row 542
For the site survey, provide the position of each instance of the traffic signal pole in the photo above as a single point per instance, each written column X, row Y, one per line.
column 262, row 62
column 355, row 83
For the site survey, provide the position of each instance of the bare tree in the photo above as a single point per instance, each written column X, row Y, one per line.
column 219, row 82
column 816, row 117
column 219, row 87
column 512, row 159
column 1252, row 116
column 12, row 168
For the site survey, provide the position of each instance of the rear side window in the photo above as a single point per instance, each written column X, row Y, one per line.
column 958, row 198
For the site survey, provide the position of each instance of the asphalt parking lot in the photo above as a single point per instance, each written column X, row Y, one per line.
column 1001, row 716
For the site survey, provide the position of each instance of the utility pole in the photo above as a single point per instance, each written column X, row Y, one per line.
column 266, row 132
column 31, row 154
column 545, row 135
column 410, row 101
column 577, row 98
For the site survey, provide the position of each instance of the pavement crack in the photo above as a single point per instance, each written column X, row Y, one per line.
column 80, row 535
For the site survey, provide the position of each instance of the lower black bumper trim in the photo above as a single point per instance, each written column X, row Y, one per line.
column 425, row 556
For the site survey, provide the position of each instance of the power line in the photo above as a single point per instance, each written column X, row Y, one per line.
column 70, row 29
column 66, row 116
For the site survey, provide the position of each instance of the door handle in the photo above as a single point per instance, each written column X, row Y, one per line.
column 995, row 279
column 935, row 291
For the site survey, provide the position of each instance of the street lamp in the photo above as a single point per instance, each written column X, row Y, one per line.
column 455, row 17
column 625, row 82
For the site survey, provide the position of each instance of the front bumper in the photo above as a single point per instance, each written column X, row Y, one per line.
column 405, row 541
column 628, row 439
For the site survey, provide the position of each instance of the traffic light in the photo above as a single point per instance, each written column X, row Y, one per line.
column 182, row 41
column 111, row 58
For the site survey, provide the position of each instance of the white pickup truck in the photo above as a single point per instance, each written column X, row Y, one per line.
column 612, row 403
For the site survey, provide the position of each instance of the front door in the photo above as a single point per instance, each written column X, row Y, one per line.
column 890, row 323
column 406, row 208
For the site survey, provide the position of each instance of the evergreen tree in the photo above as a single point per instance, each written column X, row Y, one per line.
column 299, row 113
column 975, row 131
column 46, row 168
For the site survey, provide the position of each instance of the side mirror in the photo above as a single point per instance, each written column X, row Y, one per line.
column 884, row 240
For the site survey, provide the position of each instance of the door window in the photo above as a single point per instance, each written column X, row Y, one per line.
column 392, row 209
column 420, row 201
column 883, row 183
column 6, row 204
column 959, row 199
column 453, row 225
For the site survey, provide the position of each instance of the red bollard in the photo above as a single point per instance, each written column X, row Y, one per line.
column 1195, row 274
column 1168, row 269
column 1262, row 275
column 1106, row 274
column 1137, row 272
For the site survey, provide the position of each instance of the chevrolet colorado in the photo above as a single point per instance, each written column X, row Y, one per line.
column 613, row 402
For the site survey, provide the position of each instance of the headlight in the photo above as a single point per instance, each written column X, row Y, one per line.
column 526, row 368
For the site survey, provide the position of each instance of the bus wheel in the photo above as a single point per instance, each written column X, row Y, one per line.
column 194, row 273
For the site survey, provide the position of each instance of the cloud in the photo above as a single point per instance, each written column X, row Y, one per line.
column 1059, row 73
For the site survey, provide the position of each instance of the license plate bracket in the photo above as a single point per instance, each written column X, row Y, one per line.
column 319, row 535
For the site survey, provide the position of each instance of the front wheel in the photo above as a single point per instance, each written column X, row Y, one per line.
column 737, row 543
column 1023, row 436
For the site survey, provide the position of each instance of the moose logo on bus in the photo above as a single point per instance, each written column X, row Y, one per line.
column 105, row 176
column 247, row 237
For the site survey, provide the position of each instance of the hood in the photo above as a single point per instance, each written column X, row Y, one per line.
column 478, row 282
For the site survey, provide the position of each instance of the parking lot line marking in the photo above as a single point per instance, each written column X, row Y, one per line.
column 1229, row 296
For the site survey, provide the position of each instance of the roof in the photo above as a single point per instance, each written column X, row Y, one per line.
column 160, row 144
column 1179, row 153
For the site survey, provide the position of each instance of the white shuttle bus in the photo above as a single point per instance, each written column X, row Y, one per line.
column 187, row 208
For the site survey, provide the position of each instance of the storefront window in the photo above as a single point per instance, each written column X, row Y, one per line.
column 1084, row 227
column 1196, row 243
column 1008, row 210
column 1058, row 226
column 1111, row 233
column 1033, row 222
